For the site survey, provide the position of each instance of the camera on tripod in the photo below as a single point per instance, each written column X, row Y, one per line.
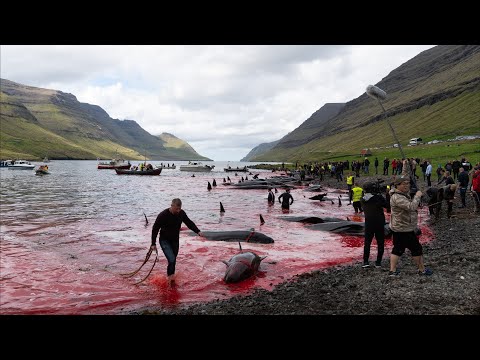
column 375, row 187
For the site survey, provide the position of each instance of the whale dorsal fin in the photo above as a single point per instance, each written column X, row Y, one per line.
column 241, row 250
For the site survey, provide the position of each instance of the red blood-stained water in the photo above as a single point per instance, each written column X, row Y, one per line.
column 67, row 237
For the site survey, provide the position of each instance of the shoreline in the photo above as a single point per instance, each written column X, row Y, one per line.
column 454, row 257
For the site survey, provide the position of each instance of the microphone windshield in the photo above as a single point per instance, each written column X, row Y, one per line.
column 376, row 92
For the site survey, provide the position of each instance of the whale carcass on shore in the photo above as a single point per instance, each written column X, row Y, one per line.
column 241, row 266
column 237, row 235
column 341, row 227
column 310, row 219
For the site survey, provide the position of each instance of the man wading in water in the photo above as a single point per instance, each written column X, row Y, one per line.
column 286, row 199
column 168, row 222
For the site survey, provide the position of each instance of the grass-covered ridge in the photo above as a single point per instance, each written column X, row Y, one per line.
column 36, row 122
column 180, row 147
column 435, row 95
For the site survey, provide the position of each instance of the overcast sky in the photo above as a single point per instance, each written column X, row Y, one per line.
column 222, row 100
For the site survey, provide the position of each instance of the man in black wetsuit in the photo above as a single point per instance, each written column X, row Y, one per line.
column 285, row 198
column 373, row 204
column 271, row 197
column 168, row 222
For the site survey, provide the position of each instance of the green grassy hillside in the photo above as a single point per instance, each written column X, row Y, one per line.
column 22, row 135
column 441, row 121
column 435, row 95
column 37, row 122
column 180, row 147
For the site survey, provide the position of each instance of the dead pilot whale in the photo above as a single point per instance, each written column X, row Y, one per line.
column 341, row 227
column 241, row 266
column 237, row 235
column 306, row 219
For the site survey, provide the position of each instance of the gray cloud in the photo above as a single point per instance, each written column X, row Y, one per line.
column 223, row 100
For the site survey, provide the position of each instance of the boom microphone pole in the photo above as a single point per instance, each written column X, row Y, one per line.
column 378, row 94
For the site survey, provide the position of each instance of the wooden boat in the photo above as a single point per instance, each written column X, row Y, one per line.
column 237, row 169
column 156, row 171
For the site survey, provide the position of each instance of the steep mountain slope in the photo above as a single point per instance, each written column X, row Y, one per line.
column 259, row 149
column 179, row 147
column 434, row 95
column 313, row 124
column 297, row 136
column 38, row 121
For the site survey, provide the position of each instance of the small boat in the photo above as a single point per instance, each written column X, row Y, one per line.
column 114, row 164
column 21, row 165
column 42, row 170
column 197, row 167
column 167, row 167
column 156, row 171
column 6, row 163
column 45, row 159
column 237, row 169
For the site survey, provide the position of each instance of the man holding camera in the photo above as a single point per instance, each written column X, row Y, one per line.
column 403, row 223
column 373, row 204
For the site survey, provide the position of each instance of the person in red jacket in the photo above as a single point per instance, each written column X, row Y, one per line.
column 476, row 187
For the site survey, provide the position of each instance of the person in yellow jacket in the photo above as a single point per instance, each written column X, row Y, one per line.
column 350, row 182
column 356, row 197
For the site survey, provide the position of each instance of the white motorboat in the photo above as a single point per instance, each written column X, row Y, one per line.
column 21, row 165
column 196, row 166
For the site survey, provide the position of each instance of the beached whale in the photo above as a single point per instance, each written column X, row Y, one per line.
column 320, row 197
column 241, row 266
column 310, row 219
column 341, row 227
column 317, row 188
column 237, row 235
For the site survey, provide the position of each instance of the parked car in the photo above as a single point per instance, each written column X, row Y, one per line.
column 415, row 141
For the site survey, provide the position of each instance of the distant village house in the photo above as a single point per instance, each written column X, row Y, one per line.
column 365, row 152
